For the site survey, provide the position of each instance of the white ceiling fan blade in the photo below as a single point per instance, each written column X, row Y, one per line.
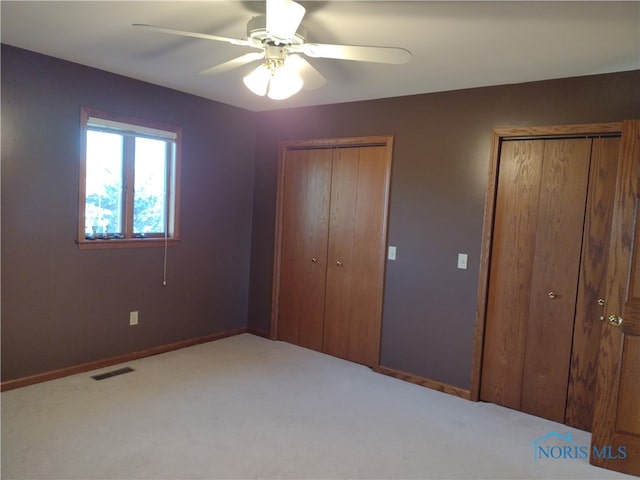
column 234, row 63
column 357, row 53
column 283, row 18
column 233, row 41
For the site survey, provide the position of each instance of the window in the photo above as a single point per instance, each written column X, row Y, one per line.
column 129, row 182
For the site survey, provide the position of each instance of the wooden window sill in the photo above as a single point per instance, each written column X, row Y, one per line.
column 126, row 243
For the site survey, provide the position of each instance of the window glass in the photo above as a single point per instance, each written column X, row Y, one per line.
column 103, row 209
column 149, row 205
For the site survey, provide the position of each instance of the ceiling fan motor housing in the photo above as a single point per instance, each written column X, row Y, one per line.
column 257, row 31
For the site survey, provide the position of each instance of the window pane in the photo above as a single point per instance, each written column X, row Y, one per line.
column 103, row 207
column 149, row 204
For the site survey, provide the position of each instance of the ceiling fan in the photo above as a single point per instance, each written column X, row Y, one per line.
column 280, row 38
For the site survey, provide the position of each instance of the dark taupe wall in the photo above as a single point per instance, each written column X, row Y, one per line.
column 439, row 179
column 62, row 306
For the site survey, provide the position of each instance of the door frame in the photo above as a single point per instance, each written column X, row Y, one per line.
column 328, row 143
column 498, row 135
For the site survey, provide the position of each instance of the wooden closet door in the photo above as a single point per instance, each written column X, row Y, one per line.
column 329, row 256
column 592, row 283
column 512, row 255
column 303, row 257
column 369, row 248
column 535, row 259
column 357, row 239
column 340, row 277
column 563, row 193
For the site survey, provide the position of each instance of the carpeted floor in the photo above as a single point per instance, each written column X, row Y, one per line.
column 246, row 407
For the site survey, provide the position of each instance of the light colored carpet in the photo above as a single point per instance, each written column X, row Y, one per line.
column 246, row 407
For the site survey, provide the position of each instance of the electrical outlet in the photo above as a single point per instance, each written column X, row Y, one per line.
column 462, row 261
column 133, row 318
column 392, row 253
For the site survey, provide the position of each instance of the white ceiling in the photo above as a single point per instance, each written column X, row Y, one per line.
column 455, row 45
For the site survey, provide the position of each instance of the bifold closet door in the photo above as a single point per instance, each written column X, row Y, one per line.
column 303, row 260
column 590, row 311
column 355, row 267
column 535, row 261
column 556, row 266
column 329, row 258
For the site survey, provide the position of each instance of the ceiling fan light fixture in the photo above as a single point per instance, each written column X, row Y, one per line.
column 294, row 62
column 278, row 79
column 285, row 83
column 258, row 80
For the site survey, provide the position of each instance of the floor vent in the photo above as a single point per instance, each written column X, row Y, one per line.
column 113, row 373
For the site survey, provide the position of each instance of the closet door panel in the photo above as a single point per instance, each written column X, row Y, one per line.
column 591, row 285
column 558, row 244
column 512, row 253
column 368, row 256
column 306, row 196
column 340, row 279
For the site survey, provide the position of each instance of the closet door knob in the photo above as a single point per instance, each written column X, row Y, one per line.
column 314, row 260
column 339, row 263
column 601, row 302
column 615, row 320
column 552, row 295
